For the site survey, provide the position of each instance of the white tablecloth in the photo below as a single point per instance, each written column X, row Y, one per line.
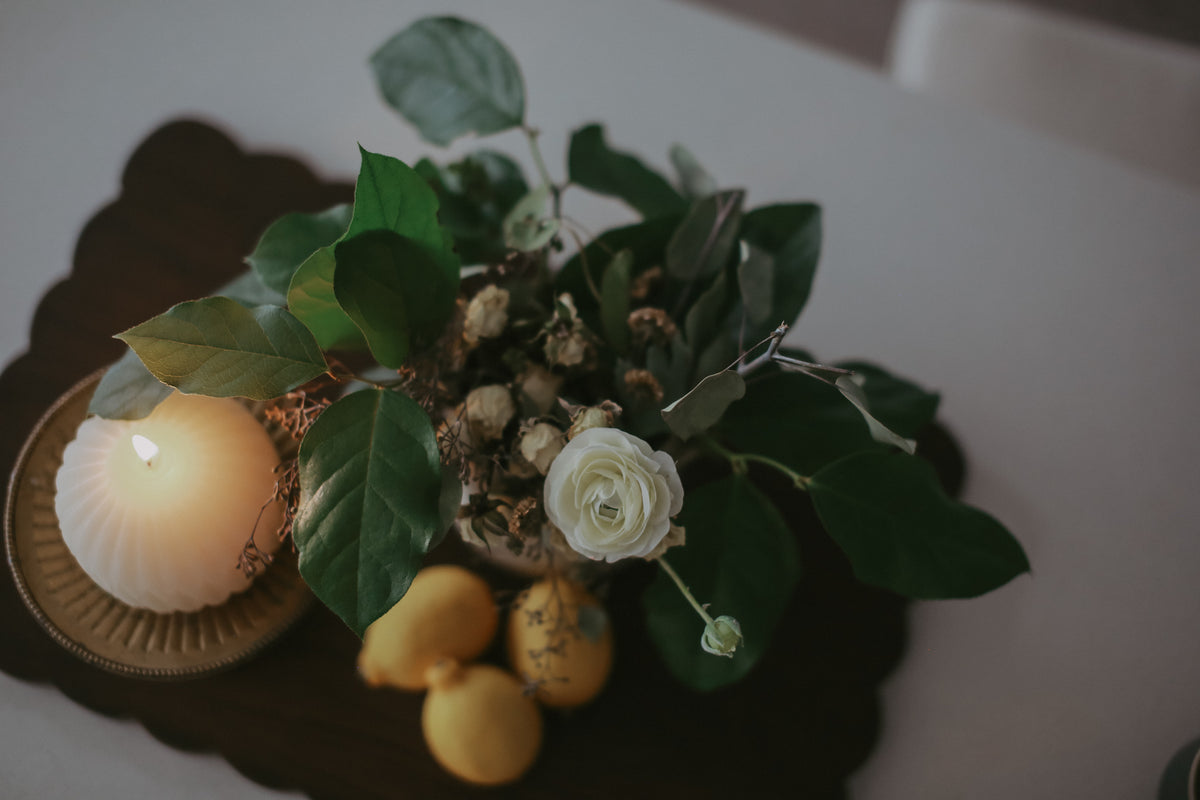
column 1047, row 292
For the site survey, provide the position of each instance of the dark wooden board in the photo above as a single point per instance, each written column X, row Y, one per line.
column 297, row 717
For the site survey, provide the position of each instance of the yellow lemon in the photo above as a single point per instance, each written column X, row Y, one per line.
column 479, row 724
column 448, row 612
column 559, row 637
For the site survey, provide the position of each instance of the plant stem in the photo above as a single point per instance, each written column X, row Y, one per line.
column 739, row 460
column 555, row 190
column 683, row 589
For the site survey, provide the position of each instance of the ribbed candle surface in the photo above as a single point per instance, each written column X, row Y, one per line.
column 158, row 510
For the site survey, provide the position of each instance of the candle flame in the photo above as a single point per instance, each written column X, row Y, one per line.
column 145, row 448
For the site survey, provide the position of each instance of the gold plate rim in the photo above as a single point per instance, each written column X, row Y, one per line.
column 302, row 601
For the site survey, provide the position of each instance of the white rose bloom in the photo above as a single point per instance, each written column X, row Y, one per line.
column 611, row 495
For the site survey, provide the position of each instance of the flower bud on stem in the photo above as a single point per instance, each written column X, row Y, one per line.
column 721, row 635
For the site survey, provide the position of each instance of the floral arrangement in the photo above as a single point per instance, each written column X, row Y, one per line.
column 441, row 369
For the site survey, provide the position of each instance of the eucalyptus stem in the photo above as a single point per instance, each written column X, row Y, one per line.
column 683, row 589
column 556, row 191
column 738, row 462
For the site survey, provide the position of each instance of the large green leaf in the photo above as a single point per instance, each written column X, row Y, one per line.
column 127, row 390
column 705, row 239
column 371, row 503
column 394, row 291
column 806, row 424
column 220, row 348
column 390, row 195
column 591, row 163
column 740, row 558
column 888, row 512
column 311, row 298
column 474, row 195
column 791, row 234
column 290, row 240
column 449, row 77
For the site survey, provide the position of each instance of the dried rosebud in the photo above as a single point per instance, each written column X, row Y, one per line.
column 721, row 636
column 644, row 284
column 643, row 387
column 489, row 408
column 568, row 350
column 487, row 314
column 540, row 386
column 588, row 418
column 651, row 326
column 539, row 445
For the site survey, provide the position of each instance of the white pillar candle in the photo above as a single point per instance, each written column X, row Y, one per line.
column 158, row 510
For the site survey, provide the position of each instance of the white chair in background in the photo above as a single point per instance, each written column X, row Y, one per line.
column 1132, row 96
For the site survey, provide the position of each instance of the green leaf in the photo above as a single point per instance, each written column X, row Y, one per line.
column 614, row 300
column 474, row 195
column 703, row 406
column 290, row 240
column 219, row 348
column 248, row 290
column 740, row 558
column 311, row 298
column 879, row 432
column 791, row 234
column 527, row 228
column 702, row 323
column 127, row 390
column 394, row 291
column 371, row 503
column 449, row 77
column 593, row 165
column 807, row 424
column 888, row 512
column 695, row 180
column 756, row 281
column 705, row 239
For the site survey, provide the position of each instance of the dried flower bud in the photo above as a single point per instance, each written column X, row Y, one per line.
column 644, row 284
column 722, row 636
column 568, row 350
column 489, row 408
column 526, row 520
column 541, row 386
column 587, row 419
column 651, row 326
column 540, row 444
column 643, row 387
column 487, row 314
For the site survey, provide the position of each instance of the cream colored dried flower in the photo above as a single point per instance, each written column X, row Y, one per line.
column 567, row 351
column 541, row 386
column 540, row 444
column 489, row 408
column 487, row 314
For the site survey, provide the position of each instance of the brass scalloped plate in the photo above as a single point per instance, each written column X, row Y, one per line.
column 97, row 627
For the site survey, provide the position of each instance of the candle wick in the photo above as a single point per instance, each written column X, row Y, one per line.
column 145, row 449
